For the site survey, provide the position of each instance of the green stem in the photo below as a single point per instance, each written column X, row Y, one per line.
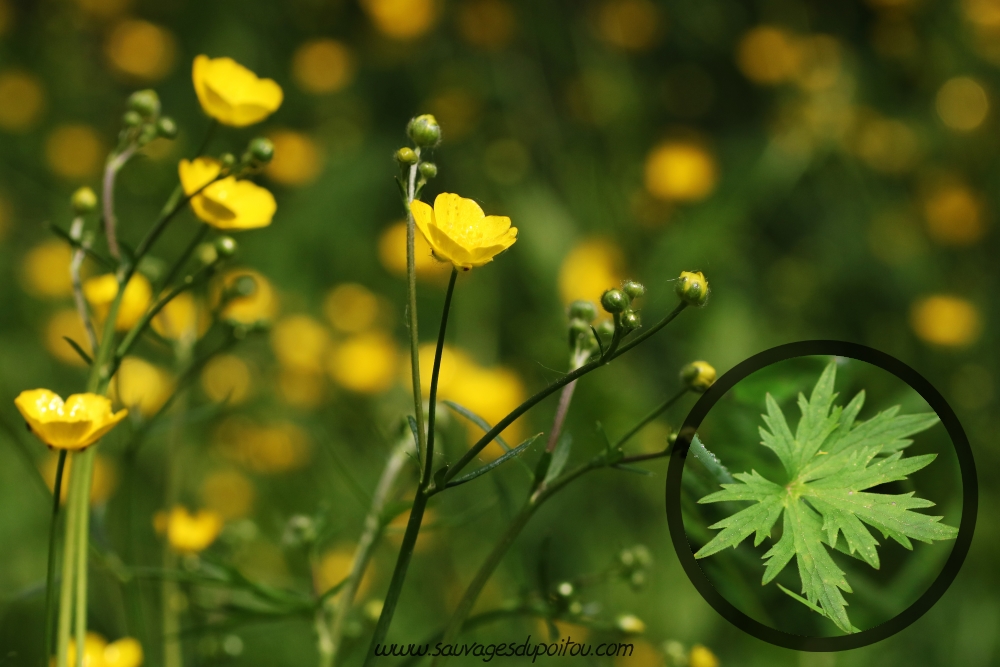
column 428, row 470
column 182, row 259
column 86, row 463
column 50, row 573
column 70, row 546
column 411, row 309
column 653, row 414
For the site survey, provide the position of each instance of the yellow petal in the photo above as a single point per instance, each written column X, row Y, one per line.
column 78, row 422
column 253, row 205
column 232, row 94
column 197, row 173
column 423, row 216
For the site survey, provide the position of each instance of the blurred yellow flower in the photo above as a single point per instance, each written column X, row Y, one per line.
column 228, row 493
column 262, row 305
column 184, row 316
column 45, row 269
column 769, row 55
column 100, row 291
column 140, row 49
column 187, row 532
column 227, row 203
column 490, row 393
column 124, row 652
column 632, row 25
column 392, row 254
column 365, row 363
column 591, row 267
column 304, row 390
column 93, row 650
column 351, row 308
column 74, row 151
column 702, row 657
column 102, row 485
column 819, row 67
column 23, row 100
column 226, row 377
column 946, row 320
column 426, row 538
column 232, row 94
column 401, row 19
column 885, row 144
column 296, row 159
column 680, row 171
column 954, row 214
column 335, row 565
column 275, row 448
column 300, row 343
column 962, row 103
column 453, row 363
column 459, row 232
column 139, row 385
column 75, row 424
column 323, row 66
column 488, row 24
column 64, row 324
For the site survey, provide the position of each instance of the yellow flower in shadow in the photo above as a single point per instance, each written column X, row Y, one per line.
column 103, row 484
column 459, row 232
column 184, row 316
column 187, row 532
column 232, row 94
column 227, row 203
column 73, row 424
column 100, row 291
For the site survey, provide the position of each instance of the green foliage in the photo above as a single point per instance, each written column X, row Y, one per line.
column 831, row 460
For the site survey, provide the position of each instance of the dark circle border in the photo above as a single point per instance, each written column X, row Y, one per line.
column 967, row 466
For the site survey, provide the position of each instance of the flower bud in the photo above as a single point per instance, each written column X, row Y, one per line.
column 692, row 288
column 145, row 102
column 614, row 301
column 633, row 289
column 631, row 624
column 631, row 321
column 207, row 254
column 577, row 328
column 84, row 201
column 406, row 155
column 131, row 119
column 583, row 310
column 424, row 131
column 261, row 150
column 606, row 328
column 698, row 376
column 227, row 160
column 565, row 589
column 428, row 170
column 166, row 127
column 225, row 246
column 244, row 286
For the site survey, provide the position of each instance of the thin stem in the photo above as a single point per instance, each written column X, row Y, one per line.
column 565, row 398
column 411, row 309
column 50, row 573
column 174, row 204
column 76, row 233
column 182, row 259
column 428, row 470
column 209, row 133
column 374, row 524
column 710, row 461
column 111, row 169
column 653, row 414
column 68, row 567
column 86, row 463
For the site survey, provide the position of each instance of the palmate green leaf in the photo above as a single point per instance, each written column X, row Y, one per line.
column 831, row 460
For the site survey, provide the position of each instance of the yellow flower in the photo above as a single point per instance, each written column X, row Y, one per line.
column 365, row 363
column 232, row 94
column 322, row 66
column 265, row 449
column 335, row 565
column 227, row 203
column 680, row 171
column 299, row 389
column 490, row 393
column 698, row 376
column 94, row 646
column 186, row 532
column 591, row 267
column 459, row 232
column 261, row 305
column 297, row 159
column 23, row 100
column 75, row 424
column 300, row 343
column 229, row 493
column 401, row 19
column 955, row 214
column 140, row 49
column 351, row 308
column 45, row 269
column 100, row 291
column 141, row 386
column 702, row 657
column 226, row 378
column 946, row 320
column 183, row 316
column 769, row 55
column 124, row 652
column 74, row 151
column 103, row 484
column 64, row 324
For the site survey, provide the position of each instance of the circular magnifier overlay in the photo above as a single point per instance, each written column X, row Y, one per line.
column 821, row 495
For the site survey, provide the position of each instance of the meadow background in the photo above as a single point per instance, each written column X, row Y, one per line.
column 831, row 167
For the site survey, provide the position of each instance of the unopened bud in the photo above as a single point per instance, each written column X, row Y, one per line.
column 424, row 131
column 633, row 289
column 577, row 328
column 207, row 254
column 166, row 127
column 631, row 321
column 606, row 328
column 261, row 150
column 406, row 155
column 227, row 160
column 583, row 310
column 84, row 201
column 225, row 246
column 244, row 286
column 631, row 624
column 565, row 589
column 145, row 102
column 428, row 170
column 698, row 376
column 614, row 301
column 692, row 288
column 132, row 119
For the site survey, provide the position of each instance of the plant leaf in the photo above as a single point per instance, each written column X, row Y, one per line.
column 559, row 457
column 493, row 464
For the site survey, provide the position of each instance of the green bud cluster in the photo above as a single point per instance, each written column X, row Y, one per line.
column 633, row 565
column 142, row 122
column 618, row 302
column 581, row 334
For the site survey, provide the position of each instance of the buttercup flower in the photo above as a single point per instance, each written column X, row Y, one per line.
column 187, row 532
column 698, row 376
column 459, row 232
column 232, row 94
column 101, row 291
column 227, row 203
column 75, row 424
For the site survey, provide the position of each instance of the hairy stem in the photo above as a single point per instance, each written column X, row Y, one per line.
column 411, row 311
column 565, row 398
column 76, row 233
column 114, row 164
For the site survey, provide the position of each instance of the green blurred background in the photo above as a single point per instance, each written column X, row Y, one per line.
column 829, row 166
